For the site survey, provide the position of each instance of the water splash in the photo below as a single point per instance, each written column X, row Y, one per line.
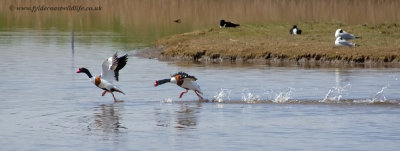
column 379, row 97
column 249, row 97
column 335, row 94
column 283, row 96
column 168, row 100
column 221, row 95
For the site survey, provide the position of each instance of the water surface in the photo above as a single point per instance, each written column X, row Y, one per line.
column 45, row 105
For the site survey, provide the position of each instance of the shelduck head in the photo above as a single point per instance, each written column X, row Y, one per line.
column 84, row 70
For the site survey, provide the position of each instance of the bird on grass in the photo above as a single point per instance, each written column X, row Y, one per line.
column 177, row 21
column 225, row 24
column 295, row 30
column 344, row 35
column 343, row 42
column 185, row 81
column 109, row 75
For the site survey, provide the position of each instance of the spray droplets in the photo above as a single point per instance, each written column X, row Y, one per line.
column 335, row 94
column 222, row 95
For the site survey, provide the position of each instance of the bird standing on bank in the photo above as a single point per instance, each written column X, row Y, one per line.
column 295, row 30
column 344, row 35
column 342, row 42
column 225, row 24
column 177, row 21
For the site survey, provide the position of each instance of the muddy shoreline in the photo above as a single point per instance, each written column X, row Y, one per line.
column 156, row 52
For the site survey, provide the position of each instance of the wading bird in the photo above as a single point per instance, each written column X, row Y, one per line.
column 109, row 75
column 185, row 81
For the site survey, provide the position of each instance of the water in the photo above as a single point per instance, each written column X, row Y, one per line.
column 45, row 105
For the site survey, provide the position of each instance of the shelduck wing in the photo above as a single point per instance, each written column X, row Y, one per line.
column 192, row 78
column 120, row 63
column 184, row 75
column 111, row 67
column 108, row 67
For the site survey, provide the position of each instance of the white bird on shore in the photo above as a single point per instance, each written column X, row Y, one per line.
column 344, row 35
column 342, row 42
column 109, row 74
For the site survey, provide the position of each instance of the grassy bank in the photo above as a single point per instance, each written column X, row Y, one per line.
column 272, row 42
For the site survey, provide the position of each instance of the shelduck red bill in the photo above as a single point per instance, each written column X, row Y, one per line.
column 79, row 70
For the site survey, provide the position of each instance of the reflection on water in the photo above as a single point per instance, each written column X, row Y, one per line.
column 163, row 117
column 107, row 119
column 186, row 116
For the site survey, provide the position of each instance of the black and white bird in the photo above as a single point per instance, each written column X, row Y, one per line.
column 295, row 30
column 225, row 24
column 343, row 42
column 344, row 35
column 109, row 75
column 185, row 81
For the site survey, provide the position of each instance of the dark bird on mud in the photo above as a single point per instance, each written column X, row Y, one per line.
column 295, row 30
column 177, row 21
column 225, row 24
column 109, row 74
column 185, row 81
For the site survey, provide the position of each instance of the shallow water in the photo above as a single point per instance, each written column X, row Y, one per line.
column 45, row 105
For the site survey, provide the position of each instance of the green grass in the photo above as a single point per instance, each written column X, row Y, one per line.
column 379, row 43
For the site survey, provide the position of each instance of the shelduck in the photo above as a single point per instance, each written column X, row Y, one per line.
column 109, row 75
column 185, row 81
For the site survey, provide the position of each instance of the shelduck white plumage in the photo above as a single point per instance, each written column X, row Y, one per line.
column 344, row 35
column 185, row 81
column 109, row 75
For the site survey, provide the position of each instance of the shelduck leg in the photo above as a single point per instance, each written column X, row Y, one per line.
column 104, row 93
column 115, row 100
column 197, row 92
column 180, row 96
